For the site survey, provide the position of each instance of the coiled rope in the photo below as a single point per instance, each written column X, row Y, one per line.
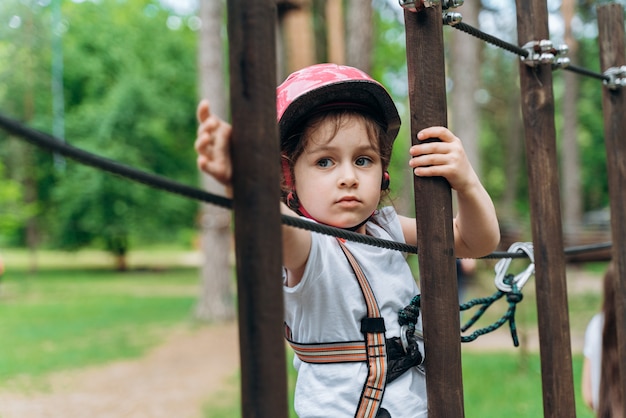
column 408, row 316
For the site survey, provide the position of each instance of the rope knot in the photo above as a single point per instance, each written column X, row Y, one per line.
column 514, row 297
column 410, row 313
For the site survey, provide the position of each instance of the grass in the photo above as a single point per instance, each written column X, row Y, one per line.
column 60, row 319
column 505, row 384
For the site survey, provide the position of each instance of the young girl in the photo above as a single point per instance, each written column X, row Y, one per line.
column 337, row 126
column 601, row 387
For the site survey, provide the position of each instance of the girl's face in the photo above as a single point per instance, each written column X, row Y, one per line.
column 338, row 176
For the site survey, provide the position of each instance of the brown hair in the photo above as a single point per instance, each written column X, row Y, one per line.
column 293, row 148
column 610, row 403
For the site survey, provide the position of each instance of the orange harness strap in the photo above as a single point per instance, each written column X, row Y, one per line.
column 372, row 350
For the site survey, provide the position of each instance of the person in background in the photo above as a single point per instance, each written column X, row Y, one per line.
column 465, row 270
column 601, row 386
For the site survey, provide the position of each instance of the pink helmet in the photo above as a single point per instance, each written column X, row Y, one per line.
column 337, row 87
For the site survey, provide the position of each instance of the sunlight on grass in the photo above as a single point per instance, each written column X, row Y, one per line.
column 66, row 319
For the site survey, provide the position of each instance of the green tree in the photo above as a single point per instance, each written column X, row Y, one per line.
column 130, row 88
column 131, row 96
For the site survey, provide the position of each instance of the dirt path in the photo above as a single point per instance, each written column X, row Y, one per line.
column 174, row 380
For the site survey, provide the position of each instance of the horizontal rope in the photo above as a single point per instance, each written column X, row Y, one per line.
column 55, row 145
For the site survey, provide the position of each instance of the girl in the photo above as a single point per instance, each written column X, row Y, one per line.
column 337, row 126
column 601, row 387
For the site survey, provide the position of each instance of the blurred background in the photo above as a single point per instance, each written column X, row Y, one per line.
column 93, row 253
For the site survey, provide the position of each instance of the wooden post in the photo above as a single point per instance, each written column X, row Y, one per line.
column 540, row 134
column 255, row 153
column 612, row 55
column 433, row 210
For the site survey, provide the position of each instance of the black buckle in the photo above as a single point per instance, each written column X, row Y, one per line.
column 373, row 325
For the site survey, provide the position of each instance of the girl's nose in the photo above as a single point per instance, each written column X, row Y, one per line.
column 348, row 177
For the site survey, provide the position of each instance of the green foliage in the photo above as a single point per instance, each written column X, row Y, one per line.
column 12, row 210
column 66, row 319
column 129, row 87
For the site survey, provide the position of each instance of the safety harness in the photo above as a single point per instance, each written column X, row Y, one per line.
column 386, row 359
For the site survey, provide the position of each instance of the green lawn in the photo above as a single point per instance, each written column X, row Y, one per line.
column 59, row 319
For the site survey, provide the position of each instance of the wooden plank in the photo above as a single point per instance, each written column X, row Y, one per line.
column 612, row 47
column 255, row 152
column 433, row 210
column 541, row 157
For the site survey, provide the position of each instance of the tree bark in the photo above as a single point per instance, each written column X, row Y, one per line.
column 298, row 41
column 465, row 70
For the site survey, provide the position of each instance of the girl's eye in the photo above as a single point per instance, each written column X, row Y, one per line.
column 363, row 161
column 324, row 162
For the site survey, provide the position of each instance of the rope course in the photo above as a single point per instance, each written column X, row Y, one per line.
column 537, row 54
column 55, row 145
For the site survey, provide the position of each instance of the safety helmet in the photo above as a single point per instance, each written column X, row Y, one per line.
column 332, row 86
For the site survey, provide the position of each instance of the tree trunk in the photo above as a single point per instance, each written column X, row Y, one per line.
column 297, row 38
column 27, row 159
column 570, row 164
column 336, row 32
column 216, row 301
column 359, row 34
column 465, row 70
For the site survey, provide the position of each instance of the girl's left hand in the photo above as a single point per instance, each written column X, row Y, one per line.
column 444, row 158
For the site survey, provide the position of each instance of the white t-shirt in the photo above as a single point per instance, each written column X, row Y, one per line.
column 327, row 306
column 593, row 351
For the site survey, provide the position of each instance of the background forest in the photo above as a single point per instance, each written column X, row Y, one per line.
column 120, row 78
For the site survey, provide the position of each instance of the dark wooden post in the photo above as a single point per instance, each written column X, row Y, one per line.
column 612, row 55
column 433, row 210
column 255, row 152
column 540, row 135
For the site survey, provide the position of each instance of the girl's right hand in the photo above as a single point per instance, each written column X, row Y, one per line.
column 213, row 145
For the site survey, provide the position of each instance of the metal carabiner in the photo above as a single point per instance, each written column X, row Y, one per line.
column 520, row 279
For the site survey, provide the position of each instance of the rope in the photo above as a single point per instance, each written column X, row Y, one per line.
column 513, row 298
column 408, row 316
column 55, row 145
column 470, row 30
